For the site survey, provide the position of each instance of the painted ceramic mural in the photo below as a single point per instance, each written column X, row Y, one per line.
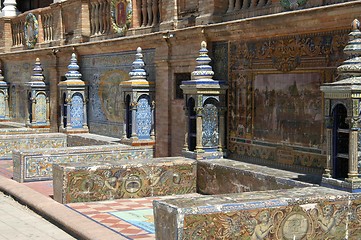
column 104, row 73
column 288, row 108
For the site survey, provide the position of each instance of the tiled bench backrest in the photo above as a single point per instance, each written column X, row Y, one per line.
column 126, row 178
column 223, row 176
column 8, row 143
column 34, row 165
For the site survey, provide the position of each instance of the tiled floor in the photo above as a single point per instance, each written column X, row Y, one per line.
column 130, row 218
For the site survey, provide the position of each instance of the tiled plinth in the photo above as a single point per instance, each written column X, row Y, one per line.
column 126, row 178
column 302, row 213
column 36, row 164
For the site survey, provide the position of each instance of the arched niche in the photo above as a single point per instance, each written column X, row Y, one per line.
column 340, row 142
column 76, row 110
column 210, row 123
column 143, row 117
column 192, row 124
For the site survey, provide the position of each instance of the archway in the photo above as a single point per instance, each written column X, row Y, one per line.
column 192, row 131
column 340, row 142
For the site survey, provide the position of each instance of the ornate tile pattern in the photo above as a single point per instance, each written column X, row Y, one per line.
column 82, row 182
column 144, row 118
column 40, row 108
column 37, row 165
column 77, row 111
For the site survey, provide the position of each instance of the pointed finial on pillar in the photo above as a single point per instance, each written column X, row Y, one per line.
column 355, row 25
column 73, row 67
column 38, row 72
column 203, row 70
column 352, row 66
column 138, row 72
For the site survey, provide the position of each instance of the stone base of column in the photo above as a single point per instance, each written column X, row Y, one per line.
column 352, row 185
column 202, row 155
column 70, row 130
column 137, row 142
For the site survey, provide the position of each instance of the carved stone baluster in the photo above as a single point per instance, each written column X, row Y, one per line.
column 144, row 13
column 96, row 18
column 107, row 18
column 262, row 3
column 139, row 12
column 230, row 6
column 245, row 4
column 155, row 9
column 149, row 11
column 51, row 37
column 45, row 27
column 253, row 3
column 92, row 18
column 237, row 5
column 101, row 16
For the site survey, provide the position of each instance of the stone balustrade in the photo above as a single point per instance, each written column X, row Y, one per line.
column 47, row 19
column 100, row 19
column 73, row 21
column 17, row 27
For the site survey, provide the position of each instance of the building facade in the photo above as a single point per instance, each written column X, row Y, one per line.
column 273, row 55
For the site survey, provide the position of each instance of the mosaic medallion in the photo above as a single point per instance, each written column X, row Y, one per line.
column 31, row 30
column 121, row 12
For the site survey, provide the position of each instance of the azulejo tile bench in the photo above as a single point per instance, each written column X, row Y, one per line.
column 299, row 213
column 36, row 164
column 126, row 178
column 8, row 143
column 222, row 176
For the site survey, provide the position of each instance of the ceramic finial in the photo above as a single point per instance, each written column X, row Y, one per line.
column 73, row 67
column 203, row 70
column 37, row 72
column 138, row 72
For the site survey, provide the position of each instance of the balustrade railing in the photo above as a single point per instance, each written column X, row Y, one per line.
column 237, row 5
column 148, row 12
column 75, row 21
column 100, row 18
column 17, row 31
column 47, row 19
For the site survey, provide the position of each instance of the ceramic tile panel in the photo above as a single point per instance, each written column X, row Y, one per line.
column 307, row 213
column 35, row 165
column 96, row 181
column 8, row 143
